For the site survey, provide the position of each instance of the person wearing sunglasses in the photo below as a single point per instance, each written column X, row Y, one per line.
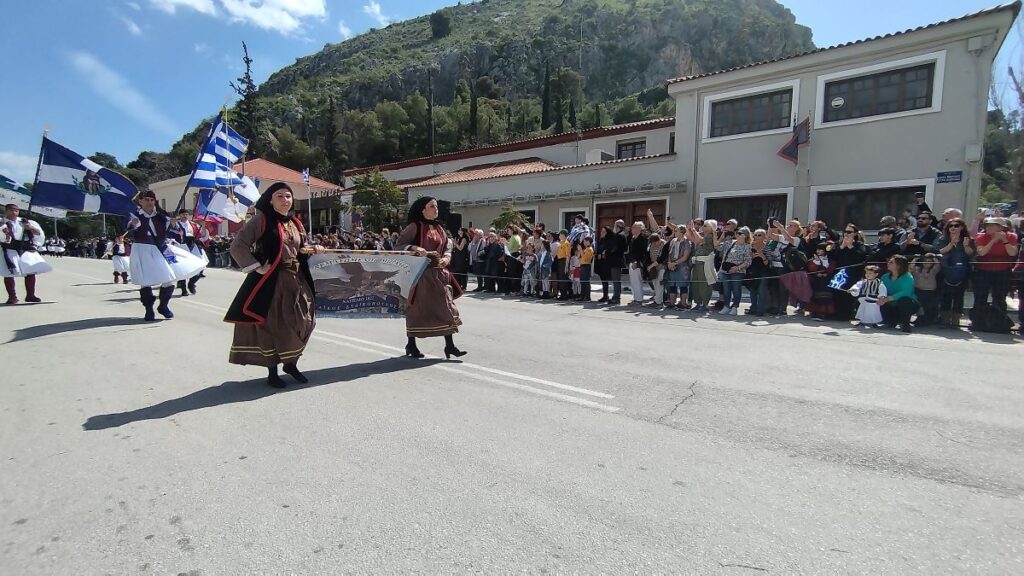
column 957, row 249
column 923, row 238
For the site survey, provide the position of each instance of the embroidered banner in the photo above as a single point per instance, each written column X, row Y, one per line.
column 364, row 284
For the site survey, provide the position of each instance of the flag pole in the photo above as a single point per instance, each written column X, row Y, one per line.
column 309, row 197
column 39, row 167
column 195, row 166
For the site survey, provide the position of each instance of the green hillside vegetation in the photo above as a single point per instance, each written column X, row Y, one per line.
column 497, row 70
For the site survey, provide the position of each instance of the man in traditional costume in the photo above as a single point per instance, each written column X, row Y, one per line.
column 120, row 259
column 20, row 238
column 155, row 260
column 186, row 232
column 274, row 311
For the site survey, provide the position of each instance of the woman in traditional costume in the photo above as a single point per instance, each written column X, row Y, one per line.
column 156, row 261
column 274, row 310
column 432, row 310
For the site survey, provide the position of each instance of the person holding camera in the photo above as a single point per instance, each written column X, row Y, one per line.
column 737, row 258
column 704, row 236
column 997, row 249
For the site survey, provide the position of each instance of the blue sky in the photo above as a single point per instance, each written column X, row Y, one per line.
column 123, row 76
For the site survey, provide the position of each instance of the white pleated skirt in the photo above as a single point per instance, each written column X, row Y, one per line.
column 24, row 265
column 121, row 264
column 150, row 267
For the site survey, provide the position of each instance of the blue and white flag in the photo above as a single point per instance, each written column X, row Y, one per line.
column 13, row 193
column 305, row 176
column 71, row 181
column 214, row 165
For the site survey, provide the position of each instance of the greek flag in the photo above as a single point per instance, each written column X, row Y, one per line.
column 214, row 165
column 13, row 193
column 70, row 181
column 305, row 176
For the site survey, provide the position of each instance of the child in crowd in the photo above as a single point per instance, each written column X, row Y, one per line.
column 925, row 269
column 574, row 269
column 544, row 263
column 529, row 260
column 868, row 291
column 586, row 268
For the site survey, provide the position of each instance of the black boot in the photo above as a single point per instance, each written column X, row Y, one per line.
column 181, row 285
column 273, row 380
column 147, row 299
column 411, row 350
column 292, row 370
column 124, row 278
column 166, row 292
column 192, row 284
column 117, row 277
column 450, row 349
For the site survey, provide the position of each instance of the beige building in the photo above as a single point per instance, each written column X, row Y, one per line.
column 889, row 117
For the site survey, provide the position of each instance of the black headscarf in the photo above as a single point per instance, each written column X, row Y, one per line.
column 264, row 205
column 416, row 211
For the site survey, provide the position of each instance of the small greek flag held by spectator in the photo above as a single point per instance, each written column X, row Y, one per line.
column 305, row 176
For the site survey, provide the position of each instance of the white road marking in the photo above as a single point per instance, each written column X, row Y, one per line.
column 340, row 340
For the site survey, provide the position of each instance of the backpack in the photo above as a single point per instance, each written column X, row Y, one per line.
column 793, row 259
column 986, row 318
column 955, row 268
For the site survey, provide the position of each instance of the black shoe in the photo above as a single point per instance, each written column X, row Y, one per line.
column 165, row 312
column 150, row 316
column 603, row 300
column 906, row 328
column 183, row 293
column 293, row 371
column 413, row 352
column 192, row 288
column 614, row 302
column 274, row 381
column 449, row 352
column 33, row 299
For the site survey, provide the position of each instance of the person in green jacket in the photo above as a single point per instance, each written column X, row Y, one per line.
column 901, row 302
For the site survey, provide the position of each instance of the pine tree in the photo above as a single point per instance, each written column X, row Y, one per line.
column 597, row 115
column 335, row 162
column 572, row 113
column 250, row 114
column 560, row 116
column 545, row 114
column 474, row 114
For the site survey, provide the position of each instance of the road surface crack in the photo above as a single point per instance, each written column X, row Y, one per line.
column 747, row 566
column 680, row 403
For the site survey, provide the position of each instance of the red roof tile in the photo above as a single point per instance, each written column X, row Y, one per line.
column 267, row 170
column 516, row 168
column 1015, row 7
column 522, row 145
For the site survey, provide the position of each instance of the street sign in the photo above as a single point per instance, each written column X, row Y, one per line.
column 949, row 177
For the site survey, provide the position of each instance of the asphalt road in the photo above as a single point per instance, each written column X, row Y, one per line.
column 571, row 440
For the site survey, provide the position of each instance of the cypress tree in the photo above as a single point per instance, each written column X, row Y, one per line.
column 545, row 113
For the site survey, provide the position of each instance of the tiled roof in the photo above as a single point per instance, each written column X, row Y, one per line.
column 267, row 170
column 518, row 168
column 483, row 172
column 523, row 145
column 1015, row 7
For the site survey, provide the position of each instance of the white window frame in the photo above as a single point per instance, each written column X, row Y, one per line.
column 563, row 211
column 631, row 141
column 929, row 195
column 705, row 196
column 535, row 208
column 939, row 58
column 711, row 99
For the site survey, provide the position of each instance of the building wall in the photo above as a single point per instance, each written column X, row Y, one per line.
column 562, row 154
column 550, row 192
column 892, row 148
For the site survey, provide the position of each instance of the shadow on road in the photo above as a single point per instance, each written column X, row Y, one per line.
column 249, row 390
column 73, row 326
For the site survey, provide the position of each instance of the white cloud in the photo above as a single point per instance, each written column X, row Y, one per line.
column 171, row 6
column 18, row 167
column 344, row 30
column 114, row 88
column 373, row 10
column 135, row 6
column 284, row 16
column 132, row 26
column 201, row 47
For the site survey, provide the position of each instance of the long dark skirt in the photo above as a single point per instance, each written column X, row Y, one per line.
column 283, row 337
